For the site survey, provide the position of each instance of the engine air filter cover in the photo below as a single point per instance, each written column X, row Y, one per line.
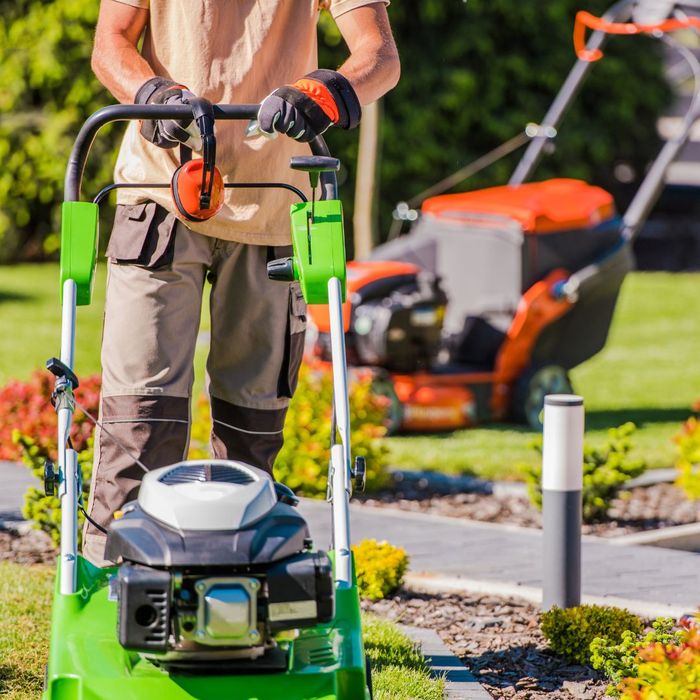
column 207, row 495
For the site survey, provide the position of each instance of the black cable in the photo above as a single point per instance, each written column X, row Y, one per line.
column 90, row 520
column 117, row 442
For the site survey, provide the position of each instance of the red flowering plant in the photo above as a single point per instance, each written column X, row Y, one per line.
column 26, row 410
column 28, row 431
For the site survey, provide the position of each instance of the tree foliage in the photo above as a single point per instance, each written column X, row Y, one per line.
column 48, row 90
column 473, row 73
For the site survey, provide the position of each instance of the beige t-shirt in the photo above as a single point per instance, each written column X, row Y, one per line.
column 229, row 51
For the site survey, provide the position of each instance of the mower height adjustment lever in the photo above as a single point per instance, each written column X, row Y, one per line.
column 50, row 478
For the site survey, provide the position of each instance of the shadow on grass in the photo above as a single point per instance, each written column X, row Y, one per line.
column 9, row 295
column 528, row 668
column 598, row 420
column 595, row 420
column 14, row 679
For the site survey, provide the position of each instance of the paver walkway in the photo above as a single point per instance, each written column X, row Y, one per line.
column 501, row 559
column 448, row 553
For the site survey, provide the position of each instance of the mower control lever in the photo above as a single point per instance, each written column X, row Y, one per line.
column 62, row 371
column 314, row 165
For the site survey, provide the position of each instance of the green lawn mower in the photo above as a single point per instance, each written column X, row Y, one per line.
column 218, row 591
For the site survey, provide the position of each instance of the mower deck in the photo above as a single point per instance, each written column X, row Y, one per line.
column 87, row 662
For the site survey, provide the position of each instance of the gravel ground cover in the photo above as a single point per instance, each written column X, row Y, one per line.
column 499, row 640
column 641, row 508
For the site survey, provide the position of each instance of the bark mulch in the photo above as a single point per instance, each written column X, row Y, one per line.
column 499, row 640
column 640, row 508
column 27, row 547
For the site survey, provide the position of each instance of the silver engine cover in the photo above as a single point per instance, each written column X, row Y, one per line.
column 207, row 495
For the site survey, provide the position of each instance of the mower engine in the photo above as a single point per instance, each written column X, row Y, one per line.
column 215, row 566
column 396, row 317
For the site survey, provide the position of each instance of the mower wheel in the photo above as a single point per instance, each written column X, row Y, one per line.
column 534, row 384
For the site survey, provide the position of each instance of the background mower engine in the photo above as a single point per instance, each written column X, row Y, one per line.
column 215, row 563
column 393, row 318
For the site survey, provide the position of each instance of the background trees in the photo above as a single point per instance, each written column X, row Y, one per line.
column 473, row 74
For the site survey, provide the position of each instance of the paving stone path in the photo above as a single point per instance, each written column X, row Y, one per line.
column 449, row 554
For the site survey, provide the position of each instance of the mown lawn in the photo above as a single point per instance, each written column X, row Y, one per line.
column 25, row 607
column 648, row 373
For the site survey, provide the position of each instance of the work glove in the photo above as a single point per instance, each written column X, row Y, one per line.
column 309, row 106
column 165, row 133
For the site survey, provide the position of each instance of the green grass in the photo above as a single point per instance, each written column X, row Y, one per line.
column 648, row 372
column 25, row 606
column 399, row 671
column 30, row 323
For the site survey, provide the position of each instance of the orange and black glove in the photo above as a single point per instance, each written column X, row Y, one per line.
column 309, row 106
column 165, row 133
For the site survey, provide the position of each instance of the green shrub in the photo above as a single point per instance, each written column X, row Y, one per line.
column 48, row 92
column 605, row 471
column 618, row 660
column 302, row 464
column 688, row 464
column 380, row 568
column 667, row 671
column 570, row 631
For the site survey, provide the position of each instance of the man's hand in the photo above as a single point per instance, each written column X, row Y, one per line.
column 165, row 133
column 309, row 106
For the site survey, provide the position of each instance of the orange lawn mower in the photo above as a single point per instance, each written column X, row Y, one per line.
column 494, row 295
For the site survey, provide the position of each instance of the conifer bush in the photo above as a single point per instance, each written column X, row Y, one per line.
column 570, row 631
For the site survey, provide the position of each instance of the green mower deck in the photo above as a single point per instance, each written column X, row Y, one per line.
column 88, row 663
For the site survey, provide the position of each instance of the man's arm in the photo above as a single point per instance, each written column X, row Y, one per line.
column 116, row 60
column 373, row 67
column 306, row 108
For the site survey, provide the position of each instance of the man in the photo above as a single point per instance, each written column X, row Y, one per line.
column 227, row 51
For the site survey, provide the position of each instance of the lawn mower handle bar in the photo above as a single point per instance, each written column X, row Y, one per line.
column 113, row 113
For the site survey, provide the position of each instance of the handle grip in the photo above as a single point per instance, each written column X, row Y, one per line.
column 585, row 20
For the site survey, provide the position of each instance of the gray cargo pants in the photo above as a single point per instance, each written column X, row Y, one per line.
column 157, row 269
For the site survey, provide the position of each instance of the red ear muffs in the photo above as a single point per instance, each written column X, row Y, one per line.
column 186, row 189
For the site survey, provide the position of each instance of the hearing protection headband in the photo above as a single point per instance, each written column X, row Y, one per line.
column 203, row 114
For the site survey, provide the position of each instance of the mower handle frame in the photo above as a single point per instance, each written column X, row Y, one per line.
column 69, row 482
column 619, row 11
column 129, row 112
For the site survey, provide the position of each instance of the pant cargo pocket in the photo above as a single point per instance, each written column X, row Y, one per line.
column 143, row 234
column 294, row 343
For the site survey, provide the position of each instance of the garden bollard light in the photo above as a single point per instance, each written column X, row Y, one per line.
column 562, row 482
